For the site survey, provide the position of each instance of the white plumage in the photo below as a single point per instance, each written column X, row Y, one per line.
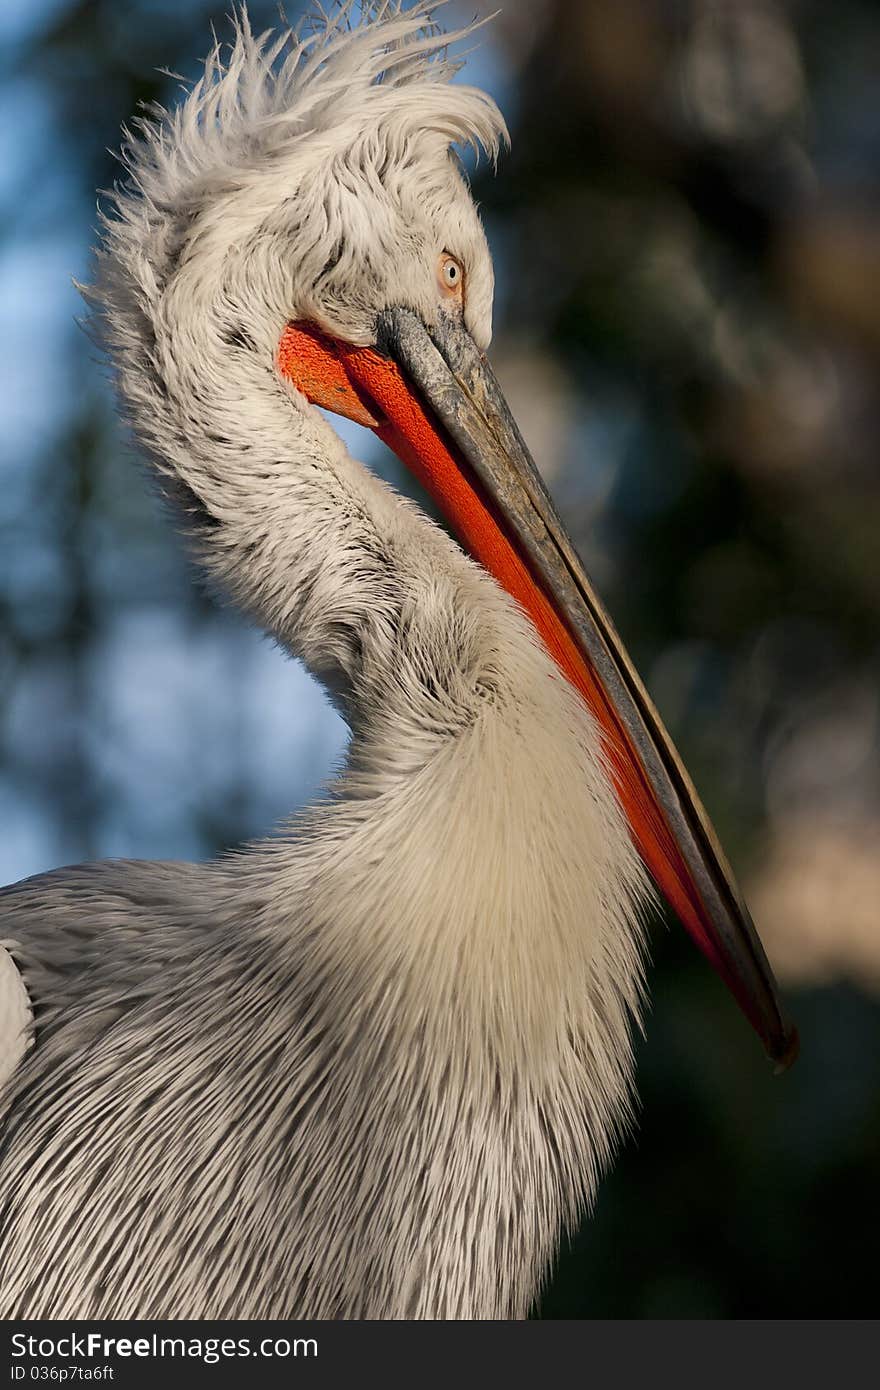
column 371, row 1067
column 15, row 1018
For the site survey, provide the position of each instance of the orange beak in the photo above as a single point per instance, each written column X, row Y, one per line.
column 433, row 399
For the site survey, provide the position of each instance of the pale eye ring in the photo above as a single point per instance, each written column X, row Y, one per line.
column 450, row 274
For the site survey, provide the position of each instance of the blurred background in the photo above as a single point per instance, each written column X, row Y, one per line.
column 687, row 243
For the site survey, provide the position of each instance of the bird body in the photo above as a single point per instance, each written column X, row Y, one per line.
column 368, row 1069
column 374, row 1065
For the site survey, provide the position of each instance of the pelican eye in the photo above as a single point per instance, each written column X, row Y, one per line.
column 450, row 275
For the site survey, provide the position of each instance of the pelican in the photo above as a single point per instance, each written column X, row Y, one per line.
column 374, row 1065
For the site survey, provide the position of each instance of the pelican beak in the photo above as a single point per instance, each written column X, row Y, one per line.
column 432, row 396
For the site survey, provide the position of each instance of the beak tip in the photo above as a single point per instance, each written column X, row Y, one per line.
column 788, row 1053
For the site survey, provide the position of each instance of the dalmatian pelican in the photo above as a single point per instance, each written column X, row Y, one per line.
column 374, row 1065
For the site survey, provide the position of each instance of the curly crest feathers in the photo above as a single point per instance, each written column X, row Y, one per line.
column 390, row 65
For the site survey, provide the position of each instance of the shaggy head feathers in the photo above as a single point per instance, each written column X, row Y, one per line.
column 327, row 152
